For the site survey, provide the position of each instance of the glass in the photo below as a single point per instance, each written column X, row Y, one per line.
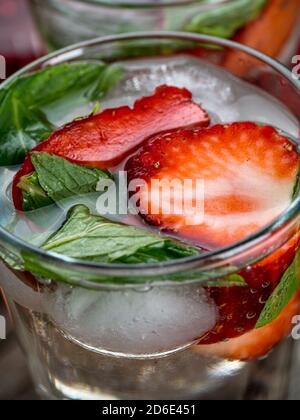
column 95, row 339
column 275, row 31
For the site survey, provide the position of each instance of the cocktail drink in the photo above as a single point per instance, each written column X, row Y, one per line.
column 268, row 25
column 149, row 215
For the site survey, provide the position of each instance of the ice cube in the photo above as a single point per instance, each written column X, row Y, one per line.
column 224, row 96
column 134, row 322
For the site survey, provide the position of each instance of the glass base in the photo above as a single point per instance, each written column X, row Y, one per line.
column 63, row 369
column 223, row 388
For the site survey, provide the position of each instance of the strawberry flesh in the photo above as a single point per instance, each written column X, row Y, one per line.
column 250, row 173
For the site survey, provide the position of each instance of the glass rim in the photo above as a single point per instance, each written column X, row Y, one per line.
column 282, row 222
column 142, row 4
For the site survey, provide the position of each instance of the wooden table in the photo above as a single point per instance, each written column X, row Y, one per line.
column 275, row 378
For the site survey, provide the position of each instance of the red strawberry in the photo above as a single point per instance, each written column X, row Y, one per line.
column 258, row 342
column 104, row 140
column 249, row 174
column 240, row 307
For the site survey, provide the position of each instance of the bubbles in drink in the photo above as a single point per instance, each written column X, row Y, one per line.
column 225, row 97
column 134, row 323
column 160, row 319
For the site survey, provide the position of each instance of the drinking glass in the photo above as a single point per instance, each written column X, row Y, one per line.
column 271, row 25
column 131, row 332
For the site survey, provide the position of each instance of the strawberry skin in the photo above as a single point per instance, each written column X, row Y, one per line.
column 239, row 308
column 249, row 173
column 105, row 139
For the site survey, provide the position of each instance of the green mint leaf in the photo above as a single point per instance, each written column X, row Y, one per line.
column 70, row 276
column 282, row 295
column 225, row 20
column 56, row 179
column 11, row 259
column 96, row 108
column 228, row 281
column 110, row 77
column 34, row 196
column 296, row 191
column 163, row 250
column 21, row 128
column 94, row 238
column 32, row 106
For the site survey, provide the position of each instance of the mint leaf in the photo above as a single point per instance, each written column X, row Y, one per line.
column 34, row 196
column 296, row 191
column 229, row 281
column 61, row 179
column 56, row 179
column 224, row 21
column 110, row 77
column 282, row 295
column 11, row 259
column 94, row 238
column 70, row 276
column 21, row 128
column 32, row 106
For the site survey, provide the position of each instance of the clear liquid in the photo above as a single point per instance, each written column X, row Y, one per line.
column 225, row 98
column 148, row 315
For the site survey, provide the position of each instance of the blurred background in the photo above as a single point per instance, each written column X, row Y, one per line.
column 19, row 44
column 278, row 377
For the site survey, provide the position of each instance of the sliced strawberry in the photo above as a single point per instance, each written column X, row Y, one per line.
column 258, row 342
column 249, row 173
column 104, row 140
column 239, row 308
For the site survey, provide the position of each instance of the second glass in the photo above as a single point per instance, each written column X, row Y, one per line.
column 271, row 26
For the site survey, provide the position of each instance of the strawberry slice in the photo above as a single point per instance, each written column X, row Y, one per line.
column 239, row 308
column 104, row 140
column 249, row 173
column 258, row 342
